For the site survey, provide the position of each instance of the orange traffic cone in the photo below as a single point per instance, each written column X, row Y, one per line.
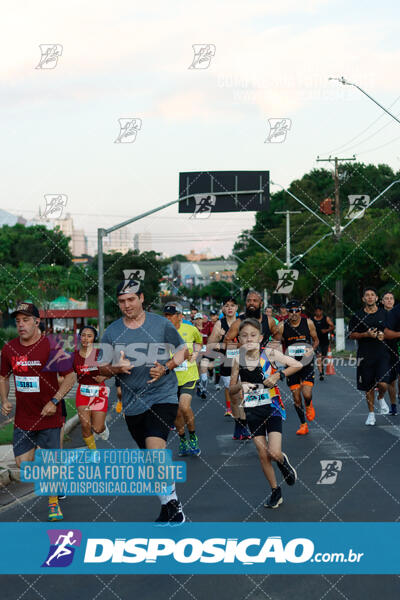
column 330, row 369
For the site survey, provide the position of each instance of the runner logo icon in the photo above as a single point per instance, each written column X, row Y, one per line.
column 62, row 547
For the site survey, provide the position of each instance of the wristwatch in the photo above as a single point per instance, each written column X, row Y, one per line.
column 166, row 370
column 54, row 401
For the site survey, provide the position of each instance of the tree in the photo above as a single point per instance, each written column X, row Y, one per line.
column 33, row 245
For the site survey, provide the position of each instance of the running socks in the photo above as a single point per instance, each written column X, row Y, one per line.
column 203, row 381
column 300, row 413
column 90, row 443
column 165, row 498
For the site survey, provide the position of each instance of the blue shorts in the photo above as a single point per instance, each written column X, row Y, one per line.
column 23, row 440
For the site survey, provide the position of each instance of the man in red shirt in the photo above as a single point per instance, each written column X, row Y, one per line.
column 34, row 362
column 205, row 327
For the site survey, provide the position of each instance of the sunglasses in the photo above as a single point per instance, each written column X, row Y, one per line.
column 294, row 310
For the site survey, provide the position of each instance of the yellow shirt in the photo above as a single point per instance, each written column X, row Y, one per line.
column 187, row 371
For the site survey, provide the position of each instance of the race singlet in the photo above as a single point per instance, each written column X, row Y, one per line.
column 27, row 384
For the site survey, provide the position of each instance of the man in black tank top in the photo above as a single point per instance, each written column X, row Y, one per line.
column 323, row 326
column 216, row 340
column 298, row 335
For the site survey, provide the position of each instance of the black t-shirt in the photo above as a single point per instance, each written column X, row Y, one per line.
column 360, row 323
column 321, row 323
column 393, row 323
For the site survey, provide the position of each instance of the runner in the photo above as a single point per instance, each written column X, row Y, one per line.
column 262, row 402
column 392, row 335
column 38, row 417
column 216, row 339
column 283, row 313
column 149, row 388
column 92, row 394
column 269, row 312
column 269, row 328
column 187, row 375
column 205, row 328
column 323, row 326
column 373, row 359
column 297, row 332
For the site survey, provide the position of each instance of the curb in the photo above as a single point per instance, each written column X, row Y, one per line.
column 8, row 469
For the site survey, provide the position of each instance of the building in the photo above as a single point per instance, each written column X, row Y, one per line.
column 119, row 240
column 67, row 314
column 201, row 273
column 143, row 241
column 193, row 257
column 78, row 239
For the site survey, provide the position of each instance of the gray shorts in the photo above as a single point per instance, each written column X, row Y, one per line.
column 23, row 440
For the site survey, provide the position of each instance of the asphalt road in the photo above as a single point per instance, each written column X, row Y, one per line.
column 226, row 484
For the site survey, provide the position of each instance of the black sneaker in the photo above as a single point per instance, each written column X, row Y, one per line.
column 321, row 376
column 289, row 473
column 171, row 513
column 393, row 410
column 203, row 395
column 275, row 498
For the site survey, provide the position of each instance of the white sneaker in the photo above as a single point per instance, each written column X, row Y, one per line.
column 217, row 387
column 384, row 409
column 370, row 419
column 104, row 435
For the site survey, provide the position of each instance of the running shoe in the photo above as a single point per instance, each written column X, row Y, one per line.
column 217, row 387
column 310, row 412
column 203, row 395
column 370, row 419
column 228, row 413
column 393, row 410
column 184, row 449
column 275, row 498
column 171, row 513
column 383, row 407
column 321, row 377
column 289, row 473
column 55, row 513
column 194, row 445
column 303, row 429
column 104, row 435
column 245, row 434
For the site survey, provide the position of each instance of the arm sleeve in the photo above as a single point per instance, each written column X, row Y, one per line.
column 6, row 368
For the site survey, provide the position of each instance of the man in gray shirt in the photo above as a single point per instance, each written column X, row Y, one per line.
column 149, row 385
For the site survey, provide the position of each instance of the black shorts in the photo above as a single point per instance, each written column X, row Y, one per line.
column 371, row 371
column 261, row 420
column 322, row 350
column 304, row 376
column 225, row 371
column 155, row 422
column 187, row 388
column 24, row 440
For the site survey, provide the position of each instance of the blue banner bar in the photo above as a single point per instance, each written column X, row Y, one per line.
column 200, row 548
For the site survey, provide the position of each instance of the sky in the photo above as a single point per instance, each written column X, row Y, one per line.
column 129, row 59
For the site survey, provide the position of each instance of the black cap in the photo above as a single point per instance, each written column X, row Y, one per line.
column 172, row 309
column 293, row 304
column 129, row 287
column 26, row 308
column 213, row 312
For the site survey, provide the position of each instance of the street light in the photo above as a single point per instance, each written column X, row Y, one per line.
column 345, row 82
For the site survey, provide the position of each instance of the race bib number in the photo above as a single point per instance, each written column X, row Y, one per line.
column 91, row 391
column 297, row 351
column 182, row 367
column 257, row 398
column 203, row 348
column 232, row 352
column 27, row 384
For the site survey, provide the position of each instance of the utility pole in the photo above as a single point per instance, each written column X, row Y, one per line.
column 339, row 314
column 288, row 213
